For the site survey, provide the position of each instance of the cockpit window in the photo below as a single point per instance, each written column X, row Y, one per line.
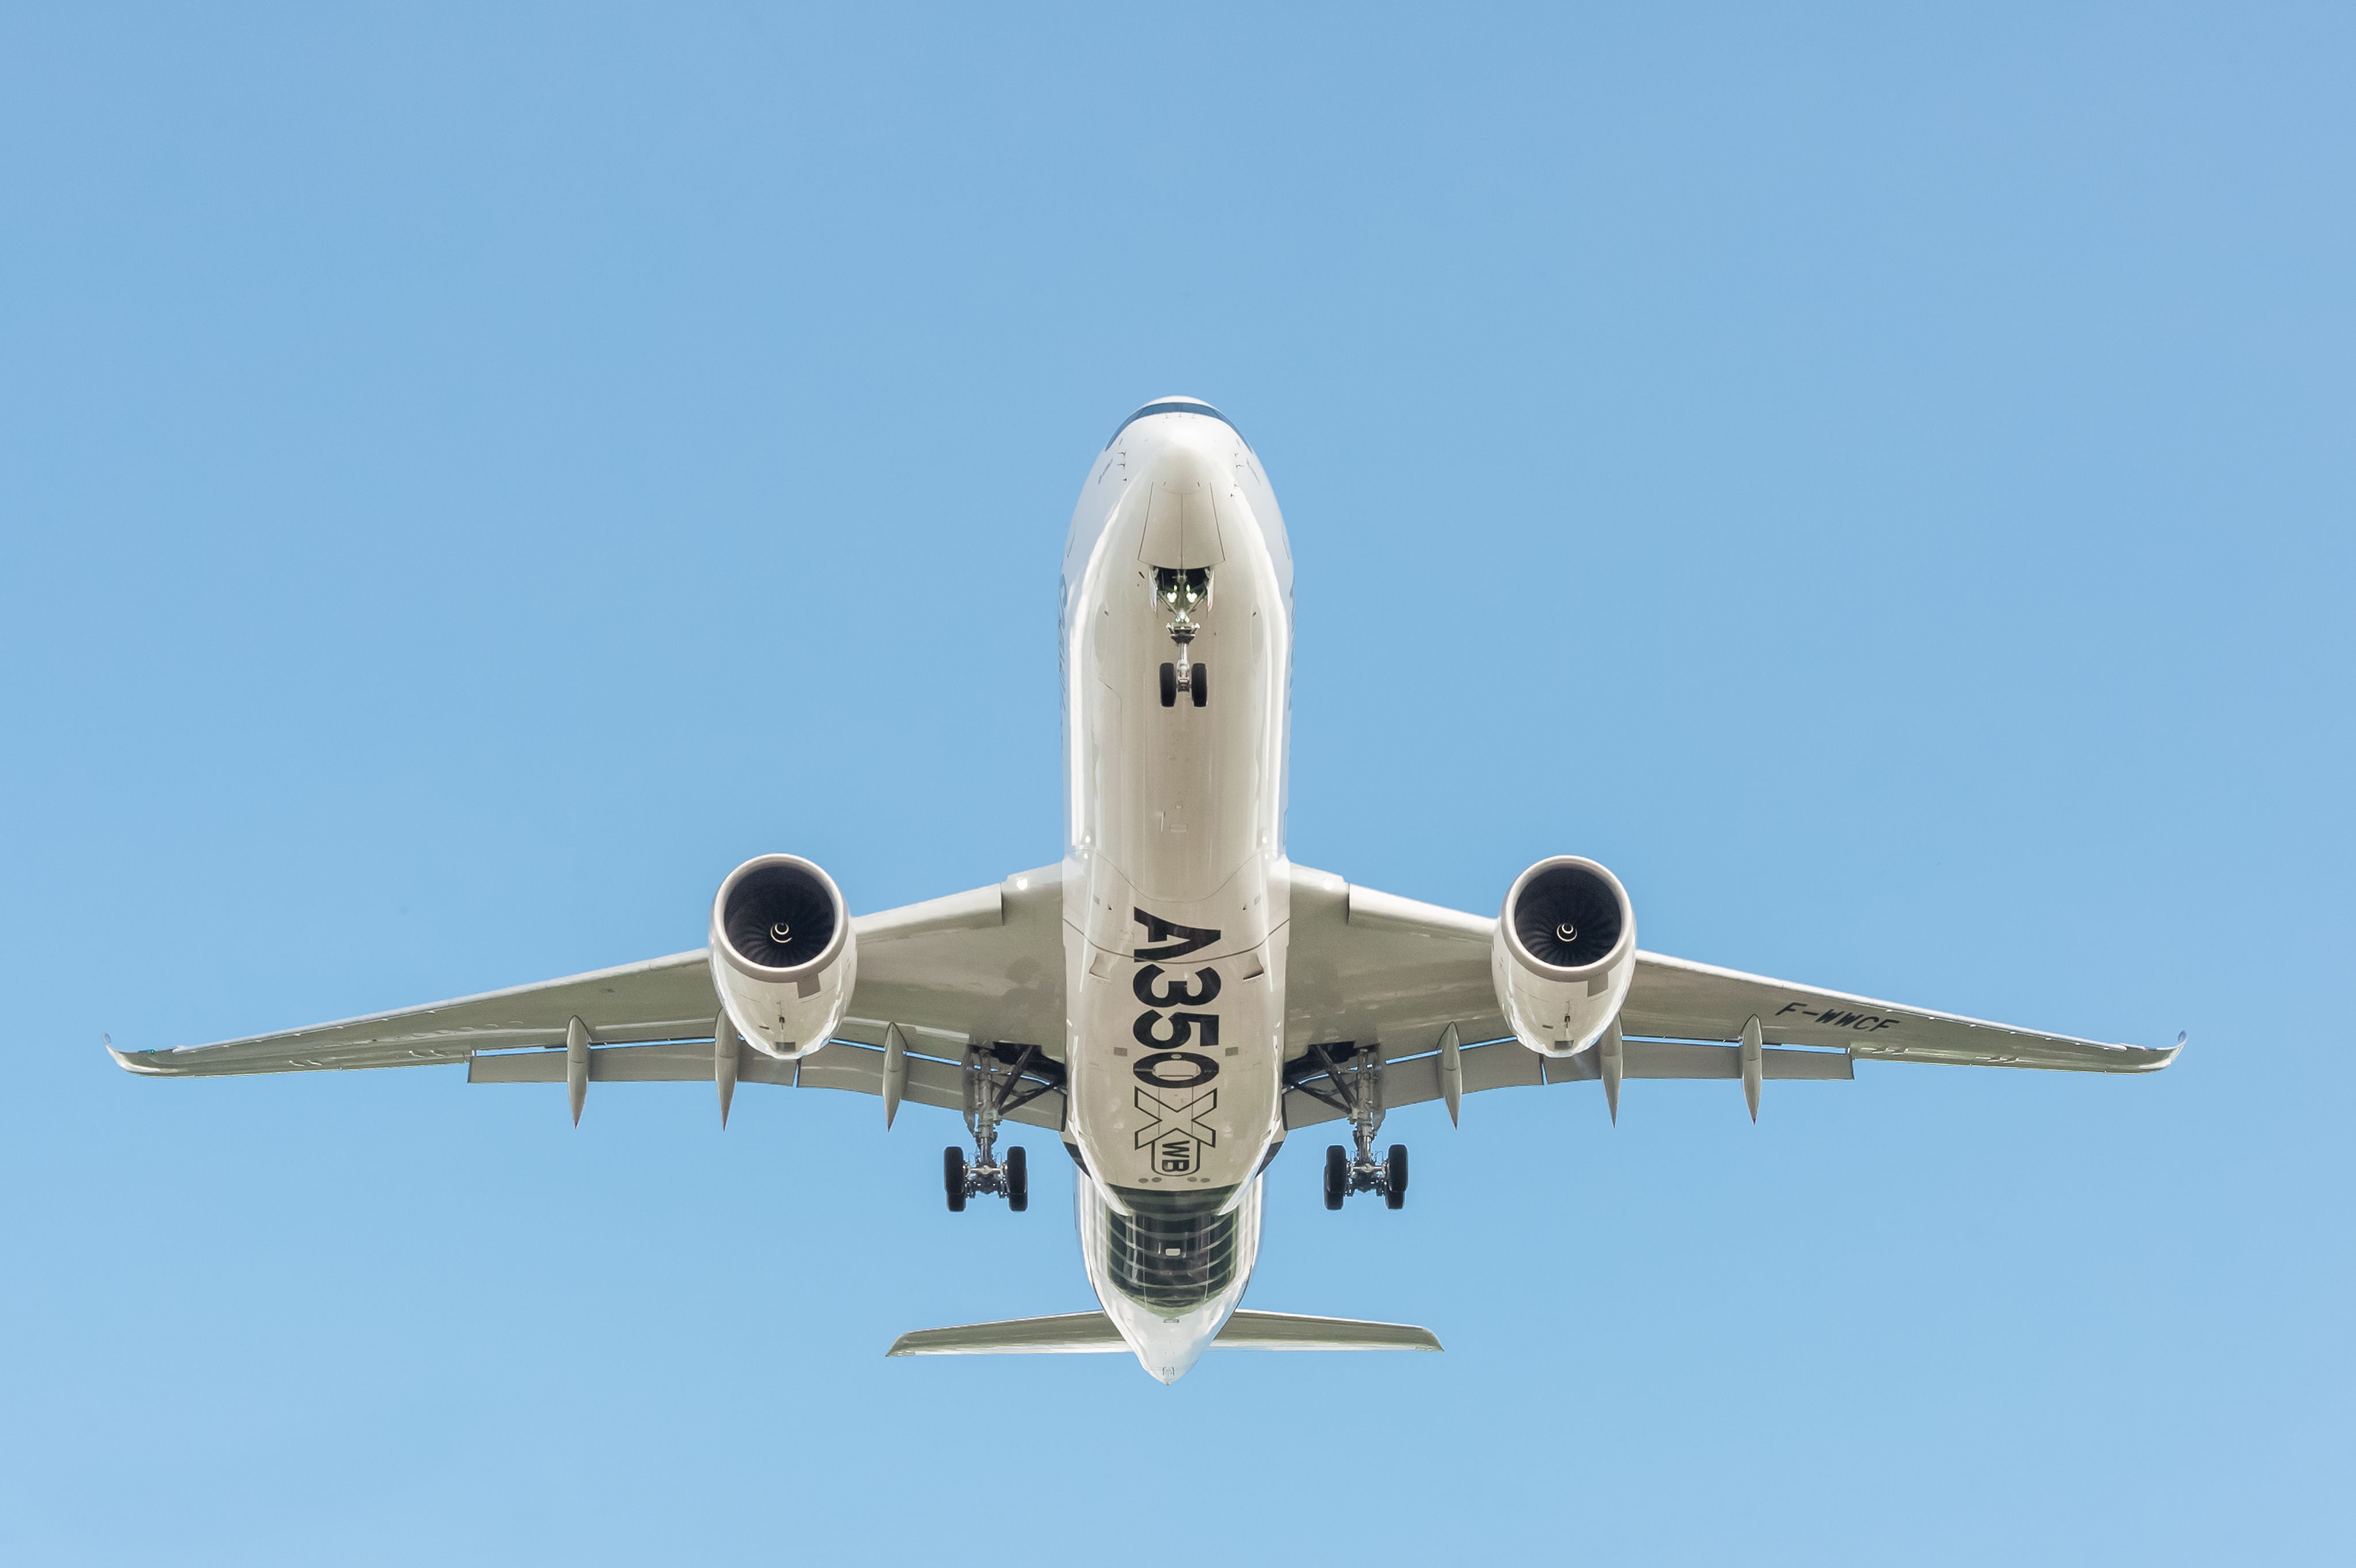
column 1205, row 409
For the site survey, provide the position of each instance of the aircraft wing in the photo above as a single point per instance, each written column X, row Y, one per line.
column 660, row 999
column 1369, row 967
column 983, row 967
column 978, row 967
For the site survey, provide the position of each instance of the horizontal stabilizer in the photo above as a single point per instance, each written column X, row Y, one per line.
column 1092, row 1333
column 1295, row 1331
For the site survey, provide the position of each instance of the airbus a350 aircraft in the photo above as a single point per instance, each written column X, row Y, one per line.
column 1174, row 998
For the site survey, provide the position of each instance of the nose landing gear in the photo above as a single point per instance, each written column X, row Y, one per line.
column 1182, row 591
column 1194, row 679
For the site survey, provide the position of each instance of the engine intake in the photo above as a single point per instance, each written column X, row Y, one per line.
column 1564, row 954
column 781, row 954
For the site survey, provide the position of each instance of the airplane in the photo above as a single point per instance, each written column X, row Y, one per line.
column 1175, row 997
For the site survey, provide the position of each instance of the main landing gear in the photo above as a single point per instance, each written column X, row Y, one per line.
column 1349, row 1078
column 1183, row 590
column 1345, row 1176
column 963, row 1178
column 998, row 1080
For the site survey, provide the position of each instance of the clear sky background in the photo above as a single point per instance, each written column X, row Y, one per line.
column 469, row 477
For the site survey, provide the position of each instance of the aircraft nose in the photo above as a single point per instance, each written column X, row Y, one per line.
column 1185, row 468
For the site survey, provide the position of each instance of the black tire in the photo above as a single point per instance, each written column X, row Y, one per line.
column 953, row 1177
column 1199, row 683
column 1394, row 1177
column 1337, row 1175
column 1018, row 1179
column 1170, row 685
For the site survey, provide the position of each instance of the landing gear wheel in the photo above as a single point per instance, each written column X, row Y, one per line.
column 1337, row 1175
column 953, row 1177
column 1199, row 683
column 1170, row 685
column 1018, row 1179
column 1394, row 1177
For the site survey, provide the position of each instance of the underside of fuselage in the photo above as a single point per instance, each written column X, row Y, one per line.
column 1177, row 654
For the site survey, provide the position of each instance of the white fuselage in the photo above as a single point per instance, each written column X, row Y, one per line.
column 1175, row 886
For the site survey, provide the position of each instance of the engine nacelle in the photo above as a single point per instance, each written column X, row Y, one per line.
column 1564, row 954
column 782, row 955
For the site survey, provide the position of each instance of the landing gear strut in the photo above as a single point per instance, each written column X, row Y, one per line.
column 998, row 1080
column 1183, row 590
column 1349, row 1078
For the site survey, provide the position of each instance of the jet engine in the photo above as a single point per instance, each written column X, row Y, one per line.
column 782, row 955
column 1564, row 954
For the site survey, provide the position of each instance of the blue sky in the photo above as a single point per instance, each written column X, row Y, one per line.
column 469, row 477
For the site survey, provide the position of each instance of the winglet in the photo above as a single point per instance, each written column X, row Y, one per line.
column 123, row 1060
